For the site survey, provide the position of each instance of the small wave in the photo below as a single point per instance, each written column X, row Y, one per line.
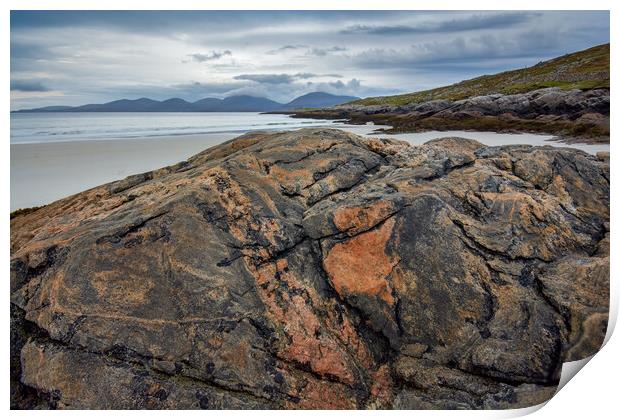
column 65, row 133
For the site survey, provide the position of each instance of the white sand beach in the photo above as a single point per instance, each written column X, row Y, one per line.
column 44, row 172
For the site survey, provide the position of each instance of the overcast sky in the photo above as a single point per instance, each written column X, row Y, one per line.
column 73, row 58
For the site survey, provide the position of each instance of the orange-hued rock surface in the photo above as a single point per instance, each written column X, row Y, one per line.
column 315, row 269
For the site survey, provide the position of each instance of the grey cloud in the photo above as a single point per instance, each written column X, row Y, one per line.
column 462, row 51
column 351, row 84
column 499, row 20
column 24, row 50
column 210, row 88
column 162, row 22
column 314, row 51
column 28, row 86
column 351, row 87
column 285, row 48
column 313, row 75
column 213, row 55
column 86, row 55
column 280, row 78
column 266, row 78
column 321, row 52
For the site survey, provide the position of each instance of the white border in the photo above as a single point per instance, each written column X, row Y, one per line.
column 591, row 395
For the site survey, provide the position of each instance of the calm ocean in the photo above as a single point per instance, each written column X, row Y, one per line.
column 71, row 126
column 54, row 127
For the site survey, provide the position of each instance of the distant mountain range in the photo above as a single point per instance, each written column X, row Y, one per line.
column 239, row 103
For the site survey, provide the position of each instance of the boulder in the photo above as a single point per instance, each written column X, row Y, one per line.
column 315, row 269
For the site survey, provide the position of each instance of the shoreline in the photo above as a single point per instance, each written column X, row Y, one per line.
column 52, row 170
column 44, row 172
column 485, row 123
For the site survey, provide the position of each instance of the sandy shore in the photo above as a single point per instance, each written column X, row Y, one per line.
column 44, row 172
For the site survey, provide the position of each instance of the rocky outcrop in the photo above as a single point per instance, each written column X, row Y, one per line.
column 576, row 114
column 315, row 269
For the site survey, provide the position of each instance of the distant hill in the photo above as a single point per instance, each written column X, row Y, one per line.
column 122, row 105
column 245, row 103
column 587, row 69
column 54, row 108
column 239, row 103
column 318, row 100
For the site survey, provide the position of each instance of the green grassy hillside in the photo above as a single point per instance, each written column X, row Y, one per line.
column 587, row 69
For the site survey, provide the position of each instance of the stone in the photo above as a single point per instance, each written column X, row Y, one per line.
column 315, row 269
column 573, row 115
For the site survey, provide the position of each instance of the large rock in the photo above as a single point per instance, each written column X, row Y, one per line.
column 570, row 104
column 573, row 114
column 315, row 269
